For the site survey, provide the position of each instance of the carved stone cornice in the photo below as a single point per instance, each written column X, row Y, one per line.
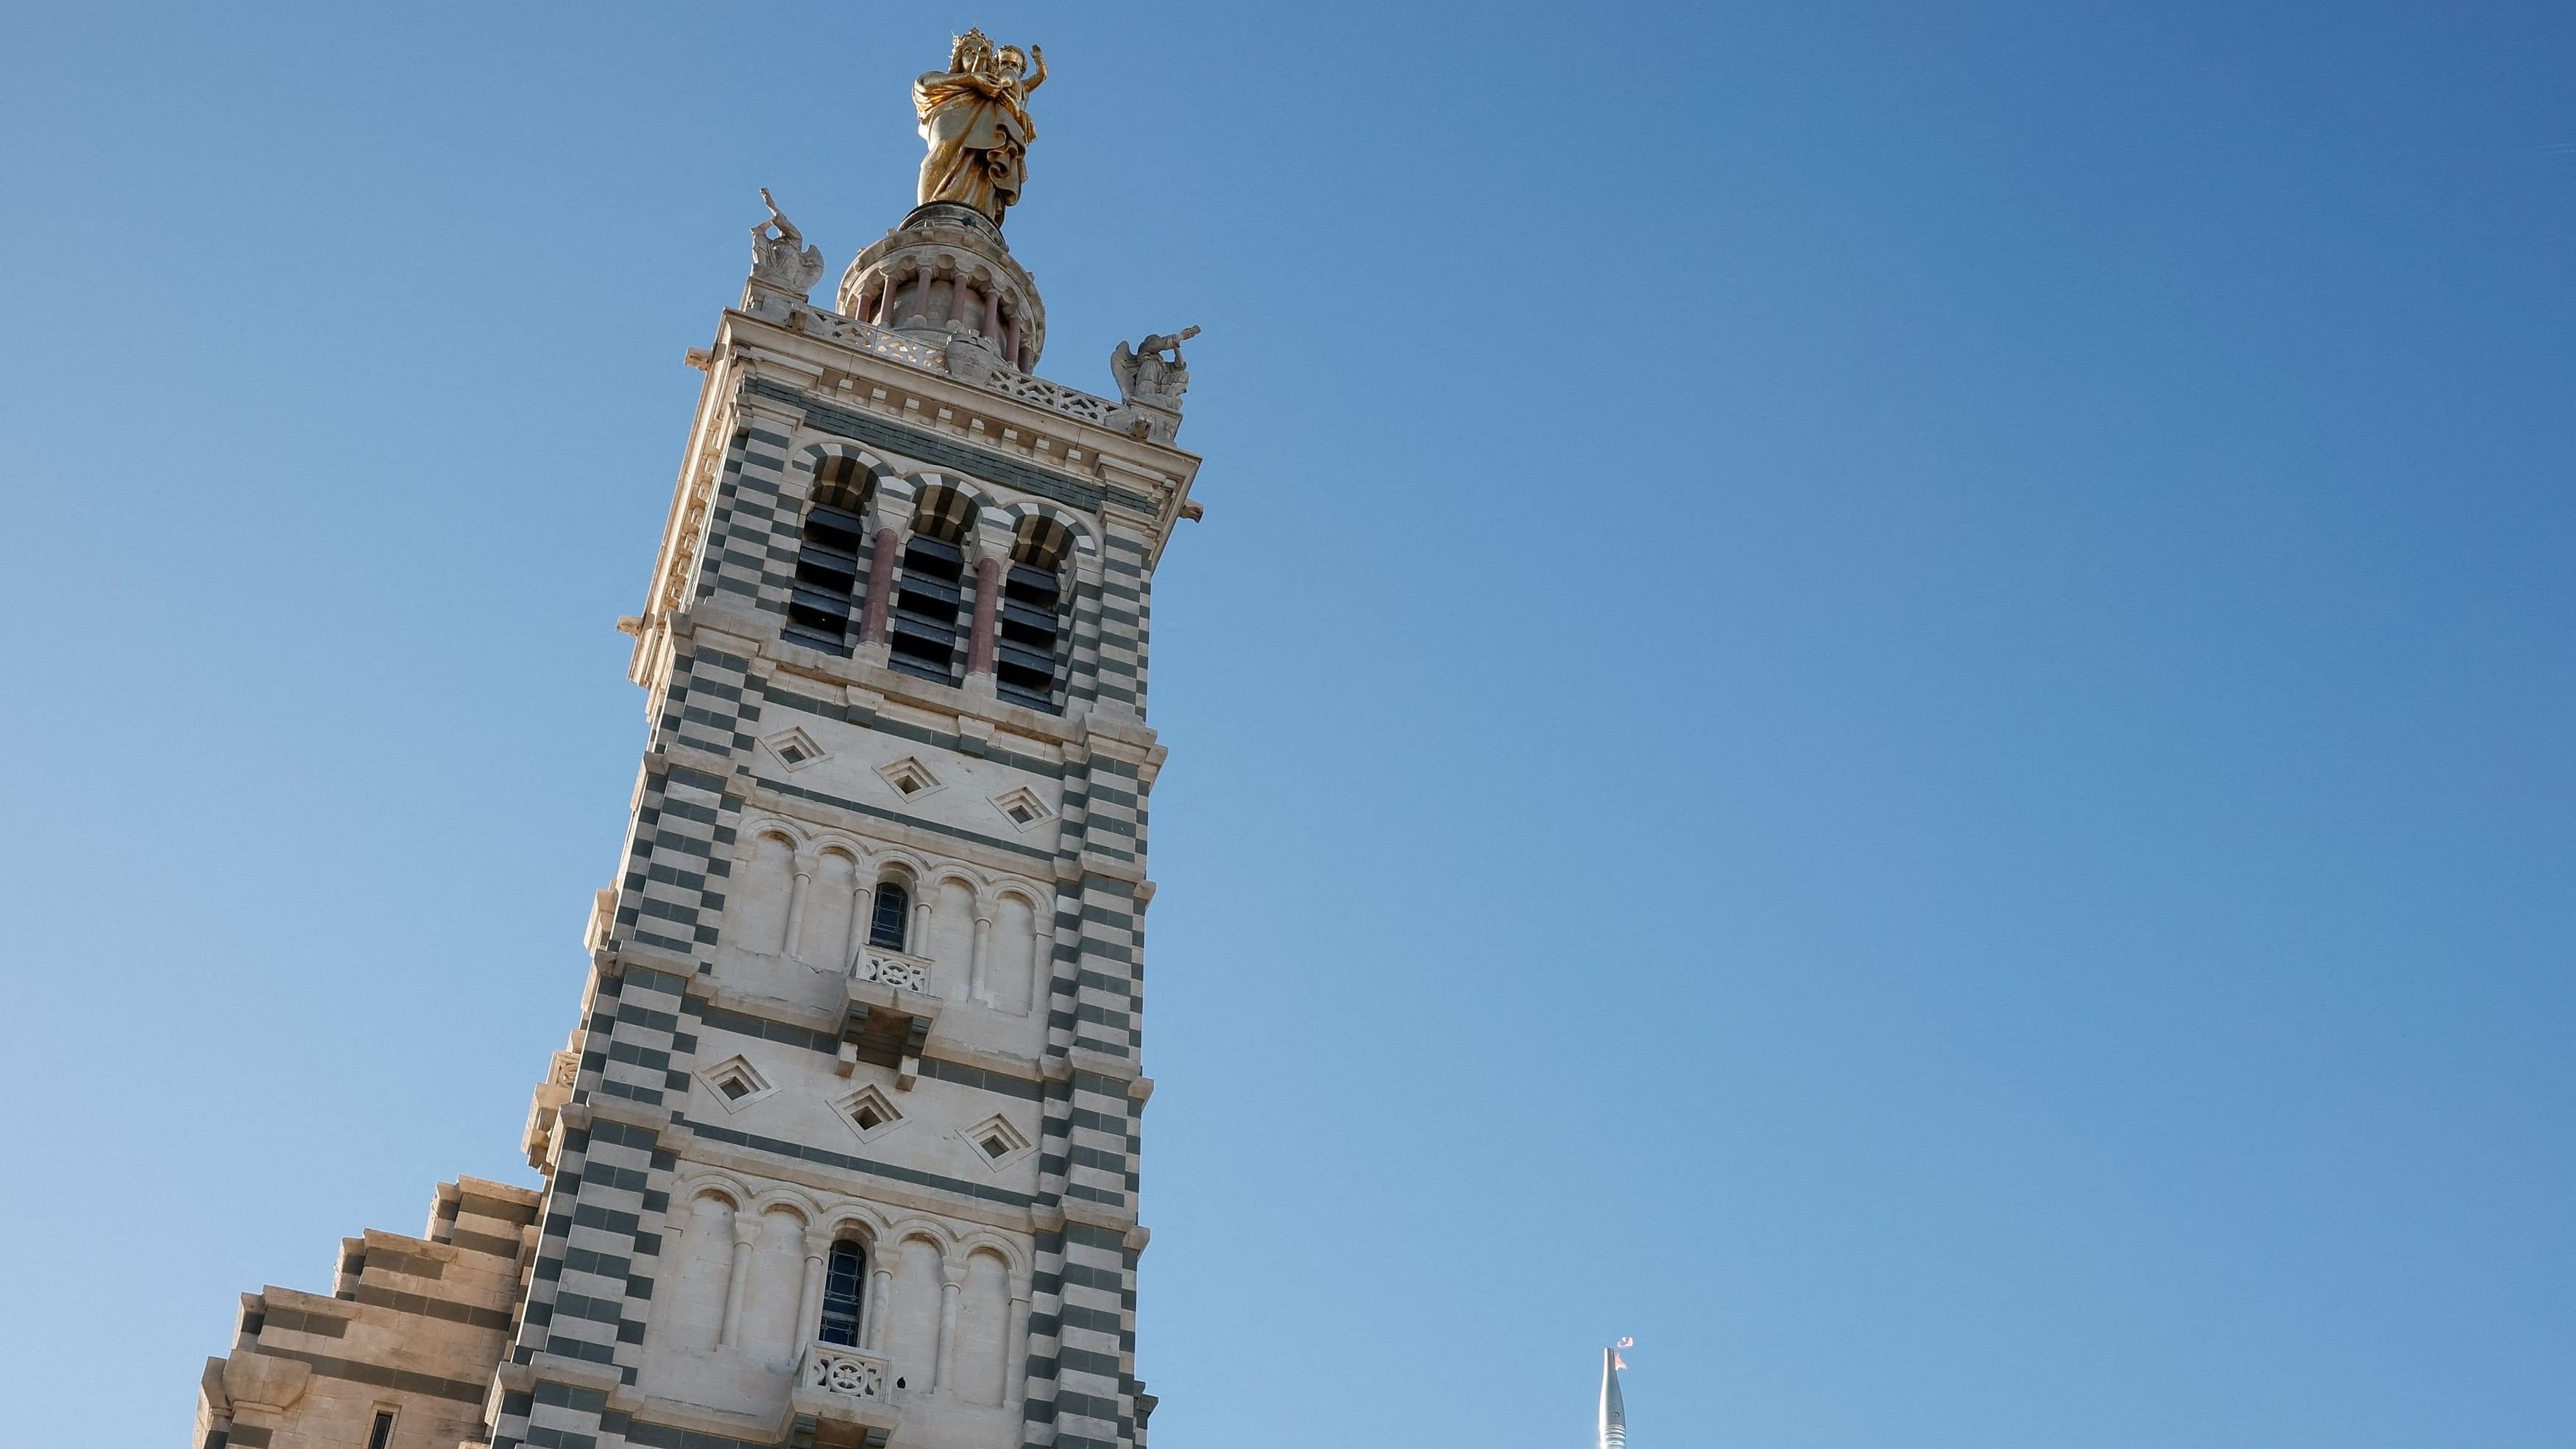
column 848, row 372
column 1102, row 1064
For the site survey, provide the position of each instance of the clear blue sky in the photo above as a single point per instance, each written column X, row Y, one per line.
column 1878, row 692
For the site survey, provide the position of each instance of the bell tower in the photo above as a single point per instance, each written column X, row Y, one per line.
column 843, row 1147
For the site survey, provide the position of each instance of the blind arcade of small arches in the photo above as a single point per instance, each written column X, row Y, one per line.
column 754, row 1278
column 812, row 906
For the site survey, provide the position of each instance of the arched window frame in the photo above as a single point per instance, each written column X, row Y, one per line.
column 890, row 915
column 845, row 1276
column 832, row 558
column 1034, row 616
column 934, row 589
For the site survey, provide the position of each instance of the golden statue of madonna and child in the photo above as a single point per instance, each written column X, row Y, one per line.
column 975, row 116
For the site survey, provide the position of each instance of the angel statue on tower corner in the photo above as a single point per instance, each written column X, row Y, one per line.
column 975, row 117
column 1146, row 376
column 779, row 256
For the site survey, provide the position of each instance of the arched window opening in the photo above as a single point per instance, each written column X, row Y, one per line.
column 831, row 561
column 931, row 596
column 1032, row 613
column 886, row 920
column 843, row 1272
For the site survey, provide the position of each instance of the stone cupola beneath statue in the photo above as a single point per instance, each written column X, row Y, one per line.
column 946, row 273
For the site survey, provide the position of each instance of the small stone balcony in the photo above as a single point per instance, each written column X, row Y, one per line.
column 889, row 1015
column 843, row 1398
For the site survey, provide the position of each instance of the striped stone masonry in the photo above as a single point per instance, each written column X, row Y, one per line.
column 792, row 1194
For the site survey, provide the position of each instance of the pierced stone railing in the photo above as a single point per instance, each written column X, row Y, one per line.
column 1053, row 396
column 909, row 972
column 933, row 357
column 846, row 1372
column 872, row 338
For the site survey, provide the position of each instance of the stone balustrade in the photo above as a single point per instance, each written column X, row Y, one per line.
column 909, row 972
column 845, row 1372
column 1053, row 396
column 868, row 337
column 1010, row 382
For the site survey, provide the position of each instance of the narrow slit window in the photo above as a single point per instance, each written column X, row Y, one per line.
column 382, row 1434
column 885, row 925
column 843, row 1272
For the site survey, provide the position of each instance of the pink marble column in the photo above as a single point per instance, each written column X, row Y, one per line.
column 872, row 620
column 988, row 589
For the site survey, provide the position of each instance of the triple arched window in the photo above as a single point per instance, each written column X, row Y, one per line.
column 937, row 623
